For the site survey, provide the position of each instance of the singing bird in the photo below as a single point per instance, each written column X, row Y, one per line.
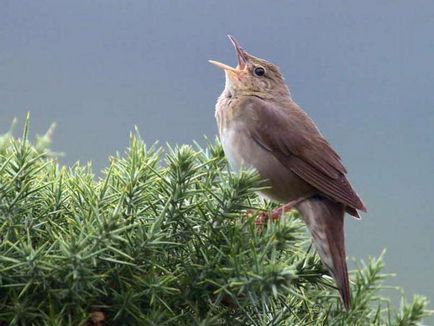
column 261, row 127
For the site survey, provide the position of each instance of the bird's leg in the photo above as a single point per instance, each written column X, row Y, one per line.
column 278, row 212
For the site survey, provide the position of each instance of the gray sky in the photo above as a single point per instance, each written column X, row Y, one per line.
column 363, row 70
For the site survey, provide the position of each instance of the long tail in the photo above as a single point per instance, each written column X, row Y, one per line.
column 325, row 220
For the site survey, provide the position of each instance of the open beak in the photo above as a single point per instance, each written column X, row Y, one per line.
column 241, row 56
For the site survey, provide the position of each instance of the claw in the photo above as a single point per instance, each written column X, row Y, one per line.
column 262, row 217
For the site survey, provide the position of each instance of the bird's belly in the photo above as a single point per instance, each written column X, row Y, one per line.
column 242, row 151
column 230, row 142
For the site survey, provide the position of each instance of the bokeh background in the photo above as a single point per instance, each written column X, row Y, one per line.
column 363, row 70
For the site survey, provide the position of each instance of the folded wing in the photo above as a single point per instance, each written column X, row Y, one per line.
column 292, row 137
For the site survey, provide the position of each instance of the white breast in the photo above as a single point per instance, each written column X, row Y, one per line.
column 229, row 142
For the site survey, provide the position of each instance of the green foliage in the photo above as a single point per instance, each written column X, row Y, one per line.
column 162, row 239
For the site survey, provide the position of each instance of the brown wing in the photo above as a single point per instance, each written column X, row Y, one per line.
column 296, row 142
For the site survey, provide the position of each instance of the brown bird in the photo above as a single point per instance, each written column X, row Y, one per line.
column 261, row 127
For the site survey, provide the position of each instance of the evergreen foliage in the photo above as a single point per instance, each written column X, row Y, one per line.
column 162, row 238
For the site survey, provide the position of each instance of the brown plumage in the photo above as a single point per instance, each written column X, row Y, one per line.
column 261, row 127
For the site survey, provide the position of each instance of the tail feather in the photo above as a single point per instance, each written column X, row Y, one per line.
column 325, row 220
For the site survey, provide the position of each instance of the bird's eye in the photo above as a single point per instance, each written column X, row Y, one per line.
column 259, row 71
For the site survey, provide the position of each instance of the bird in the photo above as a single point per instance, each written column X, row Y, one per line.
column 261, row 127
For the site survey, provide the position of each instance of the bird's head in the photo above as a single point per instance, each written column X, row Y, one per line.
column 252, row 75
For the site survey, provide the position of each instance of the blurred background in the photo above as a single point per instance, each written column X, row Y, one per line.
column 363, row 70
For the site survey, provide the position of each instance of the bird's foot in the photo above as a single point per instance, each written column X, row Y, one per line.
column 263, row 217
